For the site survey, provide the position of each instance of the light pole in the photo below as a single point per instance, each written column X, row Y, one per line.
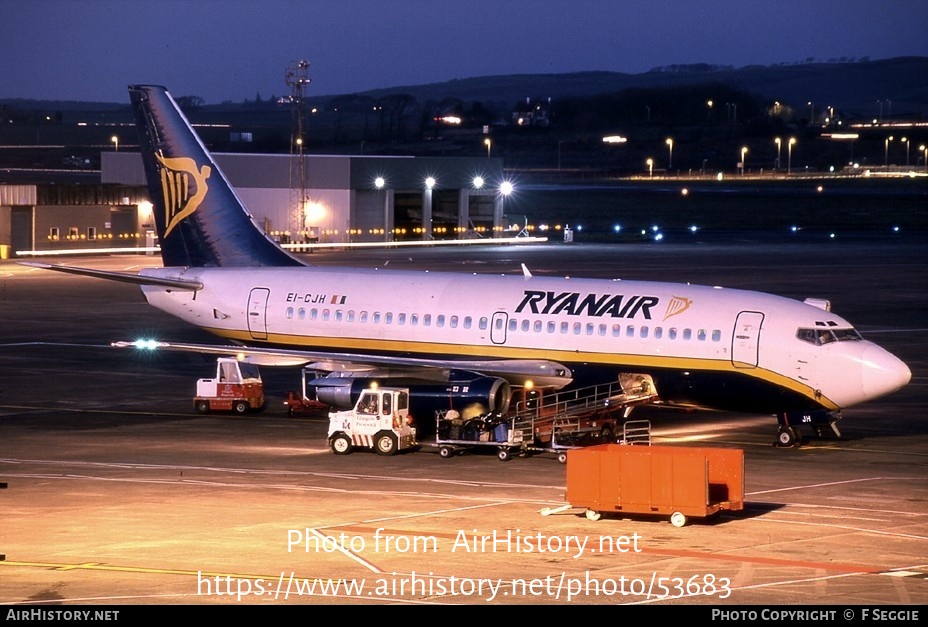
column 789, row 154
column 670, row 155
column 381, row 183
column 115, row 140
column 924, row 149
column 886, row 150
column 650, row 163
column 488, row 143
column 811, row 113
column 779, row 143
column 744, row 151
column 906, row 140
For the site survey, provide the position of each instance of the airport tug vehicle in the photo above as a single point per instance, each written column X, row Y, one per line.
column 237, row 388
column 380, row 421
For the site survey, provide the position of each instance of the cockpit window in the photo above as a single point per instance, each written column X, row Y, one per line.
column 819, row 337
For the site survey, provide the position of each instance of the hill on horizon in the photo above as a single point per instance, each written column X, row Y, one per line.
column 854, row 87
column 894, row 87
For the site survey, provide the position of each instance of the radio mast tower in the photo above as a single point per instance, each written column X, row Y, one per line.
column 297, row 81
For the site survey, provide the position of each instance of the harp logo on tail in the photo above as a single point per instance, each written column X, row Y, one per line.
column 180, row 177
column 677, row 305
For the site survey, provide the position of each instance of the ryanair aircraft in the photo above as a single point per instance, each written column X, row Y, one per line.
column 474, row 338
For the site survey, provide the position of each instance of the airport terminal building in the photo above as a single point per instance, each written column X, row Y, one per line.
column 305, row 199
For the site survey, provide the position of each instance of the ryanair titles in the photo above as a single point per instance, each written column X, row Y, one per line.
column 577, row 304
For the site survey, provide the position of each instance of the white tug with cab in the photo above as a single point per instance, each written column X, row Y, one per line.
column 380, row 420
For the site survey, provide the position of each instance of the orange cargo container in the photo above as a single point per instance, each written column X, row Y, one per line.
column 680, row 482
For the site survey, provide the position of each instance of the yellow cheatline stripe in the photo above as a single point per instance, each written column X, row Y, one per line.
column 506, row 352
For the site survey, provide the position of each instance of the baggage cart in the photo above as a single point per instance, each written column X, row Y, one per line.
column 454, row 434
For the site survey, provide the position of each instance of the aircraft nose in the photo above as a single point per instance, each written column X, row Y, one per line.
column 883, row 372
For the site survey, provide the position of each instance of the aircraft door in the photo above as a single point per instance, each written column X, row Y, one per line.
column 746, row 339
column 257, row 312
column 498, row 327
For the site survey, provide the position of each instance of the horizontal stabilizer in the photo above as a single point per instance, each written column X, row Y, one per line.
column 124, row 277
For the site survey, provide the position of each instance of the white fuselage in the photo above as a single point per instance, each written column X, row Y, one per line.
column 622, row 326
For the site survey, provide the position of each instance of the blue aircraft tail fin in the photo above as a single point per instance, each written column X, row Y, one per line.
column 200, row 220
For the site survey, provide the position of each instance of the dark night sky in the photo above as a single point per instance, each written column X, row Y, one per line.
column 220, row 50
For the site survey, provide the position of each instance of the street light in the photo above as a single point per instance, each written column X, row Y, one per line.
column 886, row 150
column 744, row 150
column 924, row 149
column 789, row 155
column 778, row 142
column 488, row 143
column 906, row 140
column 650, row 163
column 670, row 155
column 115, row 140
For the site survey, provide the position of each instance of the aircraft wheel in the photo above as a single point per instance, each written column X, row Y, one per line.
column 677, row 519
column 786, row 437
column 341, row 444
column 593, row 515
column 385, row 444
column 504, row 454
column 240, row 407
column 446, row 452
column 562, row 457
column 607, row 435
column 202, row 407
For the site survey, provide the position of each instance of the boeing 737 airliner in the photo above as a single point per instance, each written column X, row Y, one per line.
column 479, row 336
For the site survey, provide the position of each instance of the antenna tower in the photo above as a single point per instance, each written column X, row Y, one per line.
column 297, row 81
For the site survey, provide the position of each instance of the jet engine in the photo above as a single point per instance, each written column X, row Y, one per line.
column 468, row 393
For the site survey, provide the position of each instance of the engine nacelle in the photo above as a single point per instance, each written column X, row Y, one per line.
column 469, row 394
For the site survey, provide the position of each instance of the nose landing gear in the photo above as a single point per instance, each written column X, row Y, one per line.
column 788, row 433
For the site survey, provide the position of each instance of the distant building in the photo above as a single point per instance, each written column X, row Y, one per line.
column 331, row 199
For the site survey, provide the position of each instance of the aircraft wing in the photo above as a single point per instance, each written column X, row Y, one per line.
column 542, row 373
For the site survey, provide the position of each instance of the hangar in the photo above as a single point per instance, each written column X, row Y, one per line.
column 304, row 199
